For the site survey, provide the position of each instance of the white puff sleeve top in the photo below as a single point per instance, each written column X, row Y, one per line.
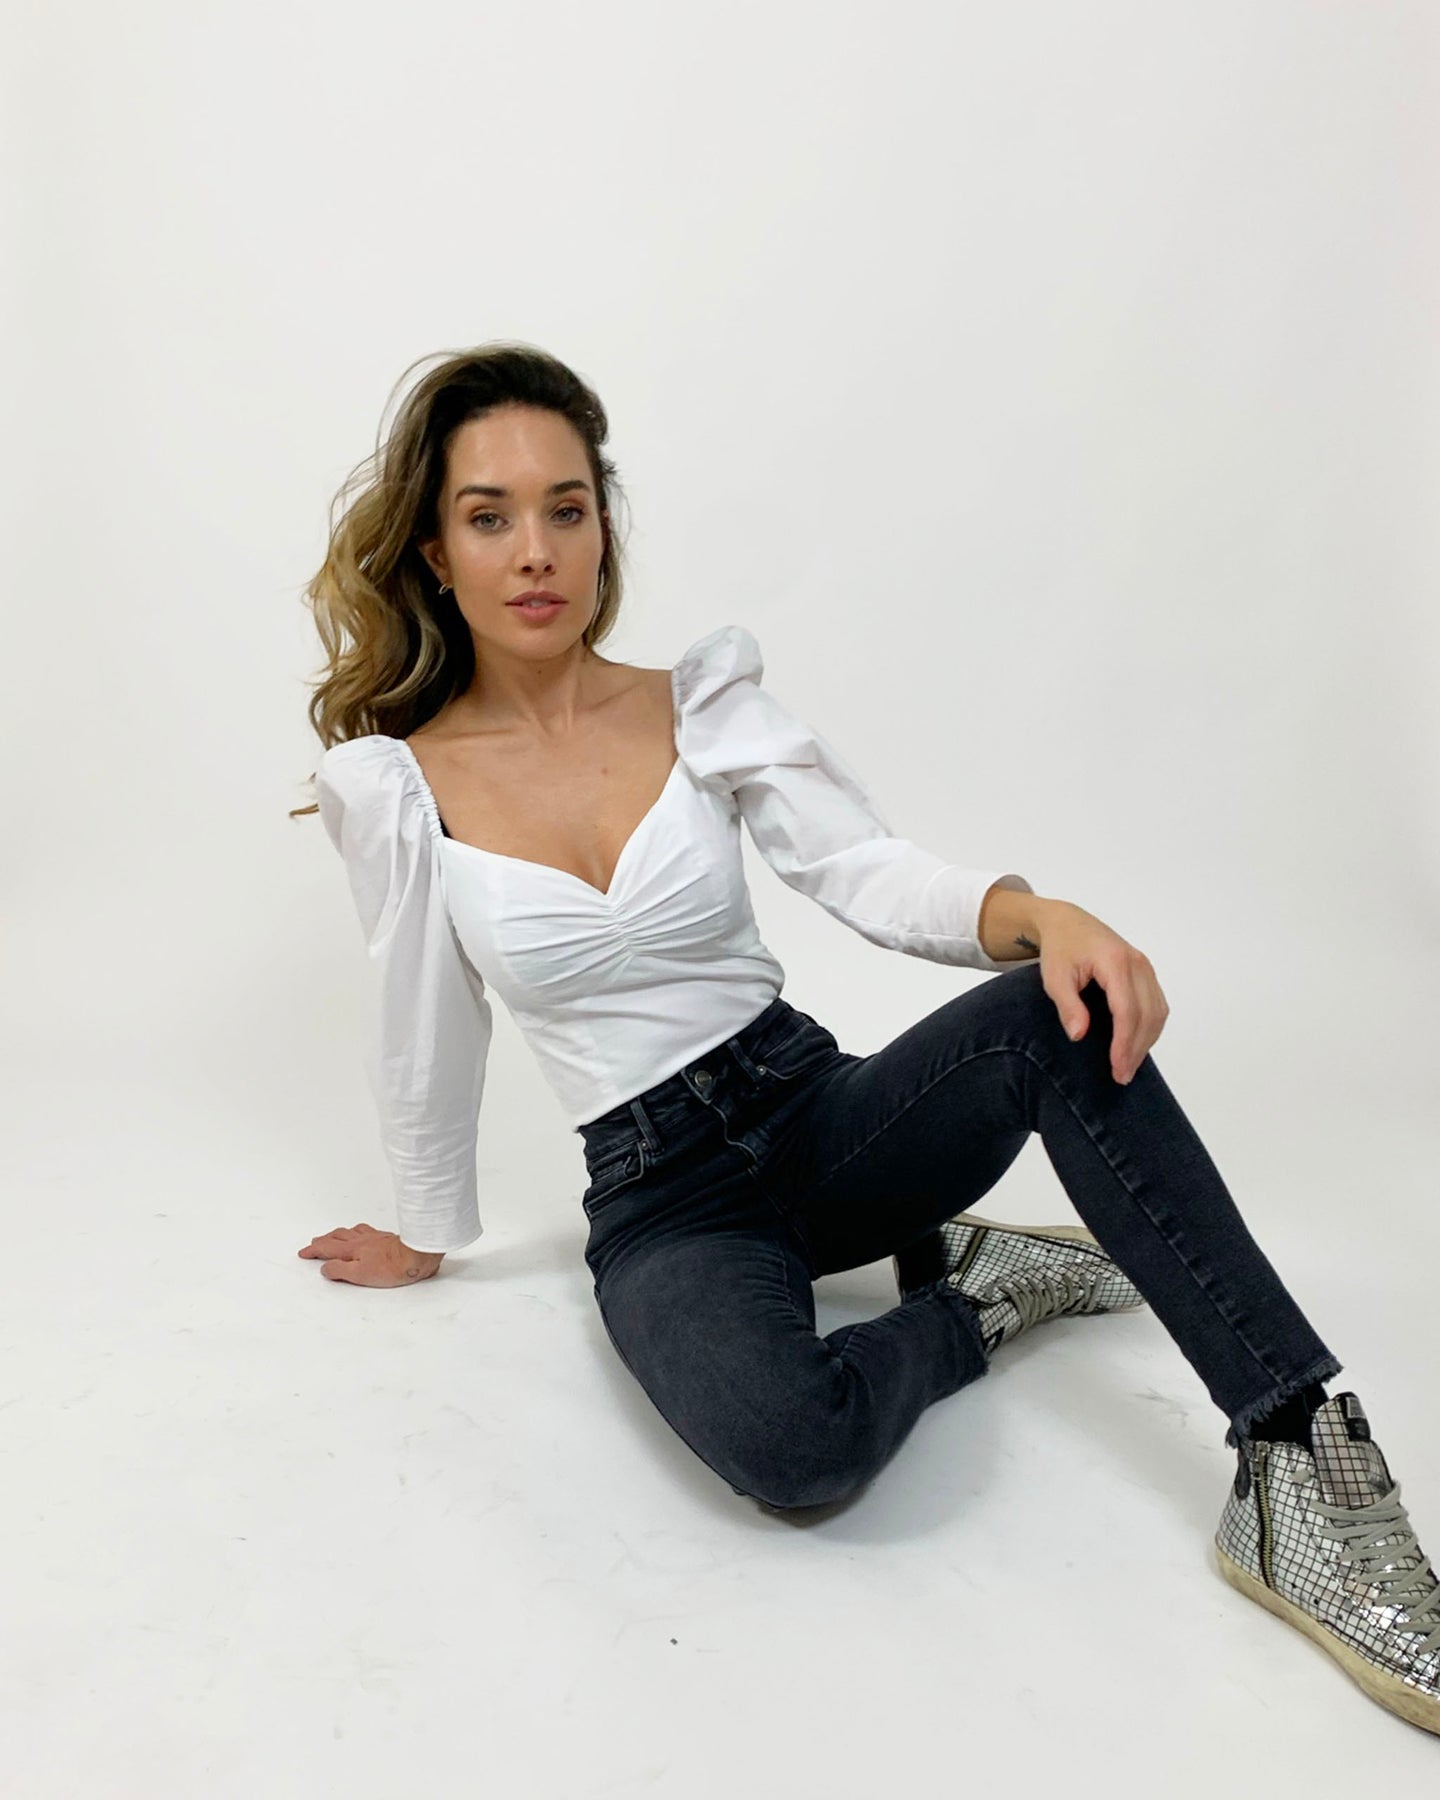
column 612, row 991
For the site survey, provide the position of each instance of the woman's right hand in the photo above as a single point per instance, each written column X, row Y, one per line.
column 371, row 1258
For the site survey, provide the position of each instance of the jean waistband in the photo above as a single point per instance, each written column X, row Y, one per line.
column 680, row 1098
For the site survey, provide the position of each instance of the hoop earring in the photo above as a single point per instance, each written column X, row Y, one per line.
column 444, row 587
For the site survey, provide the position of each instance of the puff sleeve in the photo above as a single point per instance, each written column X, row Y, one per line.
column 429, row 1019
column 812, row 819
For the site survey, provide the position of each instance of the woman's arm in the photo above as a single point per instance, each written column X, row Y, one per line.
column 428, row 1020
column 1011, row 924
column 1079, row 949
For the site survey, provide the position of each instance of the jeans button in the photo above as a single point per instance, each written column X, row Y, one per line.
column 704, row 1080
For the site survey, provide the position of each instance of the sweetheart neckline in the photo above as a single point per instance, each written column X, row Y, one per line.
column 525, row 862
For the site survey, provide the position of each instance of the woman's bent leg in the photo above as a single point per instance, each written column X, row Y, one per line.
column 718, row 1327
column 879, row 1157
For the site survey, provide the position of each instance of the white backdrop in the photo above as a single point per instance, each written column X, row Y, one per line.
column 1052, row 389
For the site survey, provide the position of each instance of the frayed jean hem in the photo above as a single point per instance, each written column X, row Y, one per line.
column 1246, row 1418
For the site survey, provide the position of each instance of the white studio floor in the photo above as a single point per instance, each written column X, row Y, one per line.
column 269, row 1536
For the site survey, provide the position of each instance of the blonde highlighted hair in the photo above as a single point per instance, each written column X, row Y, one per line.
column 396, row 648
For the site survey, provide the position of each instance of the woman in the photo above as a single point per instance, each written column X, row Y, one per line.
column 516, row 812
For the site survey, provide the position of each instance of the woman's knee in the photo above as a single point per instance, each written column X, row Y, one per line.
column 781, row 1473
column 795, row 1488
column 1024, row 988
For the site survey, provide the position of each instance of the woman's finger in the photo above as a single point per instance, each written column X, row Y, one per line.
column 1074, row 1014
column 1150, row 1012
column 1125, row 1014
column 324, row 1242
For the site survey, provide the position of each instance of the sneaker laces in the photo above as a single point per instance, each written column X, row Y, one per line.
column 1041, row 1293
column 1416, row 1588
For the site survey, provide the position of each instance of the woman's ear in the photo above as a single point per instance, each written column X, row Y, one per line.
column 434, row 555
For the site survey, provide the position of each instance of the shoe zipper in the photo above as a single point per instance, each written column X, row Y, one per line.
column 1262, row 1502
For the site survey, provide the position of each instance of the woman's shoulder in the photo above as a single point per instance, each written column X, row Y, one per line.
column 372, row 779
column 723, row 657
column 373, row 750
column 357, row 767
column 725, row 719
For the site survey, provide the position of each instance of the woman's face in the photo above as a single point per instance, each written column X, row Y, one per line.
column 519, row 511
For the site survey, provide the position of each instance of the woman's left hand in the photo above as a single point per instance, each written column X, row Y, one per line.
column 1077, row 948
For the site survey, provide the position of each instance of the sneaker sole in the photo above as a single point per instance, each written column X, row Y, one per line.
column 1386, row 1689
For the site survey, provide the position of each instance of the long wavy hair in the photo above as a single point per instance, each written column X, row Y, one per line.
column 396, row 648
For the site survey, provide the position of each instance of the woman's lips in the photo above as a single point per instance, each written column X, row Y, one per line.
column 538, row 610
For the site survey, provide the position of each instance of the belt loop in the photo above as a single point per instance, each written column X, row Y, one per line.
column 647, row 1130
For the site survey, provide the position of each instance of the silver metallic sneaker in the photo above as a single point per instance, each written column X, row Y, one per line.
column 1017, row 1275
column 1320, row 1538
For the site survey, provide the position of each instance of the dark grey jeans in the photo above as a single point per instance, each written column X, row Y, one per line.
column 720, row 1195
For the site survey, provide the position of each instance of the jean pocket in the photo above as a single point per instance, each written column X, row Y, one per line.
column 805, row 1051
column 613, row 1175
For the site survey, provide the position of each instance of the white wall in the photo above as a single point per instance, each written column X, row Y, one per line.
column 1051, row 388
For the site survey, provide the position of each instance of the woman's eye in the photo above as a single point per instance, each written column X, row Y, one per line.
column 570, row 507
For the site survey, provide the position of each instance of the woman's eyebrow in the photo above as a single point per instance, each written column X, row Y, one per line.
column 501, row 493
